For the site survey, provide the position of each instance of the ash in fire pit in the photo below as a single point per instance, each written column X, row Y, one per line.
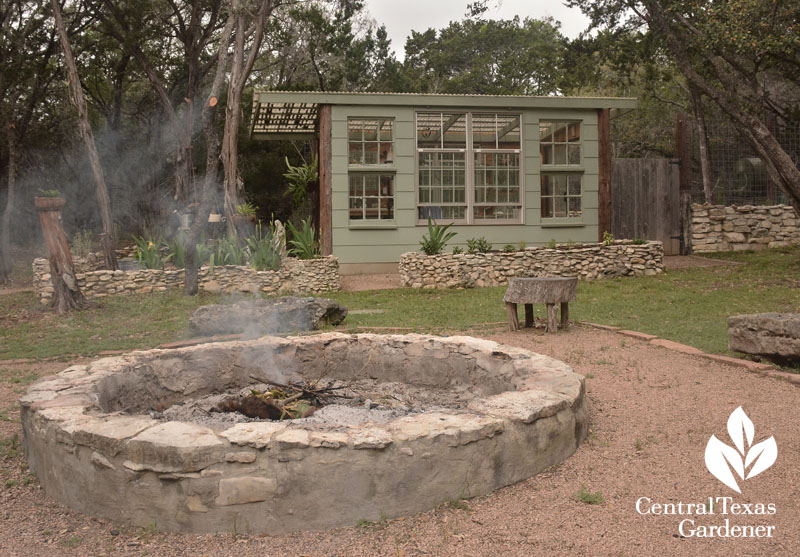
column 401, row 423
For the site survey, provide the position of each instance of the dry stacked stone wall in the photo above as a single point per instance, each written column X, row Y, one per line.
column 296, row 276
column 721, row 228
column 587, row 261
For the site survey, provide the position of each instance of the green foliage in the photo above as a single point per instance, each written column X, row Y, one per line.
column 486, row 56
column 9, row 447
column 176, row 251
column 608, row 238
column 436, row 239
column 229, row 251
column 457, row 250
column 261, row 249
column 521, row 245
column 303, row 242
column 49, row 193
column 478, row 245
column 147, row 252
column 589, row 498
column 247, row 209
column 299, row 178
column 639, row 241
column 552, row 243
column 509, row 248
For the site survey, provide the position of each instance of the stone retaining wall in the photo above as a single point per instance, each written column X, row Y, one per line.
column 297, row 276
column 587, row 261
column 721, row 228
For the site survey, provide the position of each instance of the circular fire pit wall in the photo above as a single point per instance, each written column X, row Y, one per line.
column 99, row 438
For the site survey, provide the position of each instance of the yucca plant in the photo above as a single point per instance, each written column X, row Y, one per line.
column 437, row 238
column 303, row 242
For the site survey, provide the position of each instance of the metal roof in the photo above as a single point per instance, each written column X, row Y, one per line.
column 293, row 114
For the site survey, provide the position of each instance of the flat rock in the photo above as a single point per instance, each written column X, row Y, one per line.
column 255, row 318
column 773, row 335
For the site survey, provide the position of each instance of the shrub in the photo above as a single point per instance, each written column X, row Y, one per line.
column 303, row 242
column 509, row 248
column 147, row 252
column 299, row 177
column 457, row 250
column 229, row 251
column 82, row 243
column 478, row 245
column 437, row 238
column 49, row 193
column 521, row 245
column 552, row 243
column 261, row 246
column 608, row 238
column 639, row 241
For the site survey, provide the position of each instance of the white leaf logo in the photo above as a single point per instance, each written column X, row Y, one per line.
column 721, row 458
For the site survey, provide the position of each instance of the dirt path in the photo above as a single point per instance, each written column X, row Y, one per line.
column 652, row 412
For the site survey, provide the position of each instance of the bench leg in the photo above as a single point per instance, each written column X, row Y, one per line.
column 564, row 315
column 511, row 315
column 529, row 315
column 552, row 318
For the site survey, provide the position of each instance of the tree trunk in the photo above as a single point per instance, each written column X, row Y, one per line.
column 5, row 223
column 67, row 294
column 240, row 70
column 702, row 140
column 103, row 200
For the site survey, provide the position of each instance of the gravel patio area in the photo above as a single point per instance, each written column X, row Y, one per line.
column 651, row 411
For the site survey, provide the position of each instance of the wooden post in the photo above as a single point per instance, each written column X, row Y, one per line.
column 529, row 315
column 683, row 150
column 67, row 294
column 604, row 172
column 511, row 315
column 564, row 315
column 552, row 318
column 325, row 209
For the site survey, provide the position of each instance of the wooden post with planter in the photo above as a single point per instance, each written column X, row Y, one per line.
column 66, row 292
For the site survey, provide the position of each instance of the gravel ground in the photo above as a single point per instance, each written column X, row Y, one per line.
column 652, row 412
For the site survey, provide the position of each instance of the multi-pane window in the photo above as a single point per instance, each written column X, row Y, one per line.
column 560, row 146
column 371, row 196
column 469, row 167
column 561, row 195
column 371, row 193
column 370, row 140
column 560, row 143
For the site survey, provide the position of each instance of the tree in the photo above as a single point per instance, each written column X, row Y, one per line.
column 486, row 57
column 103, row 200
column 741, row 55
column 27, row 46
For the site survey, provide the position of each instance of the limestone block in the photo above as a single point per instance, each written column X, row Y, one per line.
column 775, row 335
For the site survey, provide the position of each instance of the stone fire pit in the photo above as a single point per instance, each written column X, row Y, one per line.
column 101, row 440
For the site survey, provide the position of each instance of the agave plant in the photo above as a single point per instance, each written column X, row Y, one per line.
column 437, row 238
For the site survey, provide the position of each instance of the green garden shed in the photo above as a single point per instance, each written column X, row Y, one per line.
column 510, row 169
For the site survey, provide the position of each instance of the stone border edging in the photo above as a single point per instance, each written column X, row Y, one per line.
column 296, row 276
column 585, row 261
column 767, row 370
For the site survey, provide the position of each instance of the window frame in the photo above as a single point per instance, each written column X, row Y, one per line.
column 470, row 154
column 379, row 169
column 552, row 169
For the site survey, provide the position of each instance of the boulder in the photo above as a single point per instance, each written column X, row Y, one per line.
column 255, row 318
column 773, row 335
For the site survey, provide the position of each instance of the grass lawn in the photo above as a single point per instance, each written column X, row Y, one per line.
column 689, row 306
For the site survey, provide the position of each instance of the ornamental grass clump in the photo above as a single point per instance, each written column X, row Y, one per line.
column 436, row 239
column 264, row 254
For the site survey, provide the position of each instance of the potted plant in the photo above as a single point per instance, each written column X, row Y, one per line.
column 49, row 200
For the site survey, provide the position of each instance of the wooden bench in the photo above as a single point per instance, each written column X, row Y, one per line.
column 540, row 290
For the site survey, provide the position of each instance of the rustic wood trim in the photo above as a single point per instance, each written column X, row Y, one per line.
column 325, row 176
column 604, row 172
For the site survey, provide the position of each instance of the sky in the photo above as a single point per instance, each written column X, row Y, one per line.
column 403, row 16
